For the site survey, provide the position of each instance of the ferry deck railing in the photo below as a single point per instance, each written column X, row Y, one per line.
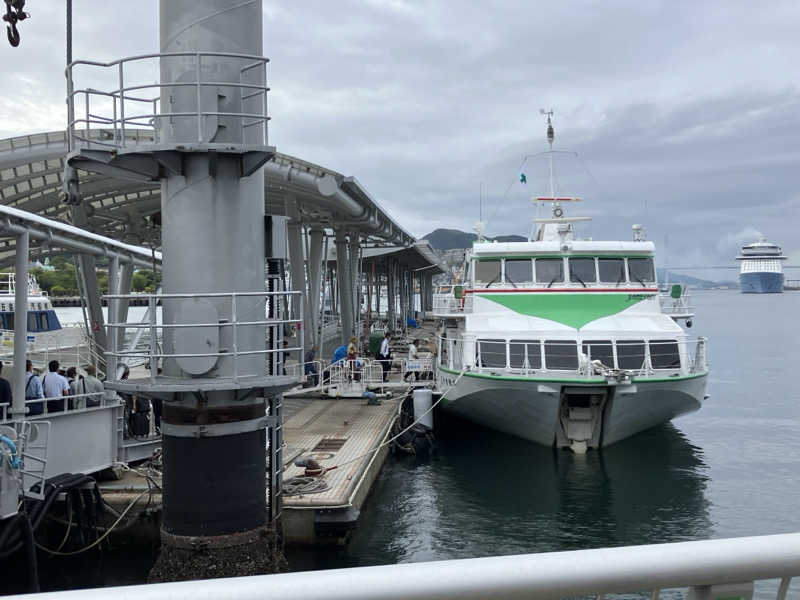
column 621, row 358
column 72, row 403
column 277, row 321
column 709, row 569
column 69, row 345
column 126, row 104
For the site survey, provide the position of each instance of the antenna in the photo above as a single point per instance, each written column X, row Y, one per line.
column 551, row 134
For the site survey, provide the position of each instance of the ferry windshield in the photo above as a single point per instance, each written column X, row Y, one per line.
column 487, row 271
column 549, row 270
column 641, row 270
column 581, row 270
column 612, row 270
column 519, row 270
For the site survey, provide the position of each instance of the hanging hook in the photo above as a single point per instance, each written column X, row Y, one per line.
column 13, row 35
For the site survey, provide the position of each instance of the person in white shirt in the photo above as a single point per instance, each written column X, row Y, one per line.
column 385, row 355
column 412, row 355
column 88, row 384
column 54, row 385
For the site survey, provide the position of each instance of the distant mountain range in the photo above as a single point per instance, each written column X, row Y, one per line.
column 452, row 239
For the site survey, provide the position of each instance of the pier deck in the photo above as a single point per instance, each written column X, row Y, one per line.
column 338, row 434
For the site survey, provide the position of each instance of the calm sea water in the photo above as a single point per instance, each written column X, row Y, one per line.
column 726, row 470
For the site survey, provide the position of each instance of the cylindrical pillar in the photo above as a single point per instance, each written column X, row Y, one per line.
column 315, row 274
column 20, row 324
column 214, row 509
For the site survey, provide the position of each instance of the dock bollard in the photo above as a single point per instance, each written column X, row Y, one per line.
column 423, row 400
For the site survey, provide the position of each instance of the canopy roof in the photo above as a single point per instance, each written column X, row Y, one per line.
column 31, row 170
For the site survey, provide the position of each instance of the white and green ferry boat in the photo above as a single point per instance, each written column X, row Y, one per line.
column 567, row 342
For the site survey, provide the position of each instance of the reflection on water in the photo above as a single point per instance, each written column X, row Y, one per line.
column 486, row 494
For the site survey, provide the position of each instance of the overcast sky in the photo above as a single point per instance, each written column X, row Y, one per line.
column 685, row 115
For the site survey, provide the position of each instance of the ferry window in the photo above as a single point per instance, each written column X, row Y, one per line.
column 561, row 354
column 581, row 270
column 601, row 350
column 641, row 270
column 519, row 270
column 487, row 271
column 630, row 354
column 612, row 270
column 9, row 319
column 549, row 270
column 525, row 354
column 664, row 354
column 492, row 353
column 43, row 321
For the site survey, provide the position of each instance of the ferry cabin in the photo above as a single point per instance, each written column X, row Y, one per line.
column 598, row 301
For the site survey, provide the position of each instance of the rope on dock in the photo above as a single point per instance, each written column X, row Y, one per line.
column 102, row 537
column 393, row 438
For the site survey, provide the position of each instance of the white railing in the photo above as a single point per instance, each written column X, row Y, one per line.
column 623, row 358
column 677, row 307
column 276, row 321
column 134, row 105
column 71, row 404
column 69, row 345
column 450, row 304
column 734, row 563
column 308, row 373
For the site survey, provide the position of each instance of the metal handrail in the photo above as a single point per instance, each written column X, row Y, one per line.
column 543, row 576
column 692, row 353
column 153, row 355
column 78, row 406
column 120, row 94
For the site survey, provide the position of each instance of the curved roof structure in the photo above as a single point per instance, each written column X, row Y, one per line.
column 32, row 166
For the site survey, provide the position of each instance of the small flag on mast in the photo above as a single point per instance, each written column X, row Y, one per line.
column 523, row 178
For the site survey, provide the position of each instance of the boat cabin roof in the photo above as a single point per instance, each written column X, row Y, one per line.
column 577, row 247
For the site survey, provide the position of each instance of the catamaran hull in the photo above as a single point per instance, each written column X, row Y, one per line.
column 531, row 409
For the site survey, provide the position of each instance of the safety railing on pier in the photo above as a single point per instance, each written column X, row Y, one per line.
column 55, row 405
column 131, row 100
column 236, row 311
column 621, row 358
column 69, row 345
column 741, row 568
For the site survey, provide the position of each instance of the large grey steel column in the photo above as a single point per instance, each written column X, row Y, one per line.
column 20, row 324
column 213, row 240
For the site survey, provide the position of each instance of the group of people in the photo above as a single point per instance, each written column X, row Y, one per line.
column 60, row 388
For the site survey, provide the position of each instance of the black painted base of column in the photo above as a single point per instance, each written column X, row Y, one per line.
column 184, row 558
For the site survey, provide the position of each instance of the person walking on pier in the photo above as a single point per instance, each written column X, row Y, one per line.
column 412, row 355
column 54, row 385
column 385, row 355
column 33, row 390
column 309, row 366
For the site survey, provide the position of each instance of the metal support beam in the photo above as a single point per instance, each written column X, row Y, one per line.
column 20, row 324
column 113, row 311
column 125, row 283
column 344, row 286
column 294, row 235
column 355, row 279
column 88, row 274
column 315, row 274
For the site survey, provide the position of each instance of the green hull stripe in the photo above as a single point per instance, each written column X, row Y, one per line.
column 572, row 381
column 572, row 309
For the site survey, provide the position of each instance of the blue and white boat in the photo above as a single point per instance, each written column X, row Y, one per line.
column 761, row 270
column 41, row 315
